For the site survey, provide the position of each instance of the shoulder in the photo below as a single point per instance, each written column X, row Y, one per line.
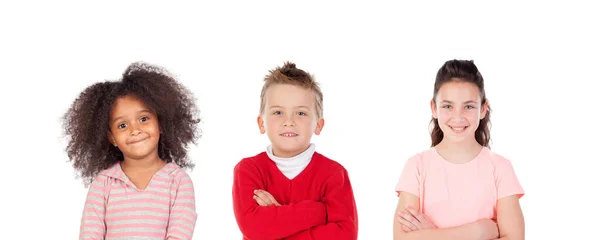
column 177, row 175
column 253, row 162
column 497, row 160
column 176, row 172
column 329, row 171
column 327, row 163
column 422, row 157
column 104, row 176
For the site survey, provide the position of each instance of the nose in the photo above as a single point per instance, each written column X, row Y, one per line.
column 458, row 113
column 134, row 130
column 289, row 121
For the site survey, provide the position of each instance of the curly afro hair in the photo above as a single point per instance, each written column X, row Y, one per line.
column 86, row 123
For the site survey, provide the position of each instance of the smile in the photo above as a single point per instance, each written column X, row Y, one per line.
column 288, row 135
column 458, row 129
column 138, row 141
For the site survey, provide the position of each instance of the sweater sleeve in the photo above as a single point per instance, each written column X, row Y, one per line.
column 92, row 221
column 182, row 218
column 272, row 222
column 342, row 217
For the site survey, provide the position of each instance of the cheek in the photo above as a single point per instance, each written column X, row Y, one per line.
column 272, row 121
column 271, row 124
column 153, row 129
column 443, row 115
column 473, row 115
column 120, row 137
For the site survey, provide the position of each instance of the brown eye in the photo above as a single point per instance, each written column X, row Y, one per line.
column 143, row 119
column 121, row 126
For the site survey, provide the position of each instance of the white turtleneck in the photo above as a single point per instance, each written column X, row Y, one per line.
column 291, row 167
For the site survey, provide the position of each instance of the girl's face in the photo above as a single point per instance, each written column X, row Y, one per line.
column 457, row 109
column 134, row 129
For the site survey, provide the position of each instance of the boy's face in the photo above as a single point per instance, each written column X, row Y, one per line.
column 458, row 109
column 289, row 119
column 134, row 128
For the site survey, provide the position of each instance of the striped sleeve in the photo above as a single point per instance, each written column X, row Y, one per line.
column 92, row 222
column 182, row 218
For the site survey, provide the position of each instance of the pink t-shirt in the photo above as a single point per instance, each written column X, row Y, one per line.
column 455, row 194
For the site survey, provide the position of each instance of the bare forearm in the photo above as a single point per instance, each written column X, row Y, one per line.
column 506, row 238
column 463, row 232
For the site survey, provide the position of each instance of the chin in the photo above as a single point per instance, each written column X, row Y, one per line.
column 459, row 138
column 139, row 154
column 288, row 148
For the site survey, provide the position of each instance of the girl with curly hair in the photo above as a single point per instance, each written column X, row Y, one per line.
column 128, row 141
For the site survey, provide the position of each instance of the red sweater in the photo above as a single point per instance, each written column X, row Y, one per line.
column 317, row 204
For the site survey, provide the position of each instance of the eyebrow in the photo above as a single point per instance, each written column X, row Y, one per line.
column 141, row 111
column 277, row 106
column 467, row 102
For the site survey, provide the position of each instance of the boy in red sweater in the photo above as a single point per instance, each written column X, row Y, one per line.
column 290, row 191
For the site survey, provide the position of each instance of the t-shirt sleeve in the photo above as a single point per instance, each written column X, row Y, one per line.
column 409, row 178
column 507, row 183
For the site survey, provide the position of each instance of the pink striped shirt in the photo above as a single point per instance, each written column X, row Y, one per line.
column 116, row 209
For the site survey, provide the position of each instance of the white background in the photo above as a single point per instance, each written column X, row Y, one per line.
column 376, row 63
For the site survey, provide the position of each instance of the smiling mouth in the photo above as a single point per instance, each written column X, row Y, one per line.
column 288, row 135
column 138, row 141
column 458, row 129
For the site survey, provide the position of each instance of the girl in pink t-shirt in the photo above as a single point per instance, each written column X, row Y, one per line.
column 459, row 188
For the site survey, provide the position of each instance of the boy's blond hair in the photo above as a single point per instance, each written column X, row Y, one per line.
column 289, row 74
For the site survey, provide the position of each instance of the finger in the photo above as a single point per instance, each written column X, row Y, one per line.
column 263, row 195
column 260, row 201
column 272, row 199
column 417, row 215
column 268, row 197
column 405, row 229
column 409, row 217
column 405, row 222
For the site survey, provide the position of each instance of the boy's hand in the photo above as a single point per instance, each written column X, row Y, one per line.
column 264, row 198
column 412, row 220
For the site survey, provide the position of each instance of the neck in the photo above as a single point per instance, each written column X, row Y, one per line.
column 283, row 154
column 146, row 163
column 458, row 152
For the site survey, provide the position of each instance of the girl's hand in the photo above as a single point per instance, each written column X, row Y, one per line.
column 487, row 228
column 412, row 220
column 264, row 198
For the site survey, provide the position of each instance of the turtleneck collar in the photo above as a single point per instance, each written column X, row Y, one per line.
column 291, row 167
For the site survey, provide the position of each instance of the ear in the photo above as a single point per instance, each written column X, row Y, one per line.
column 484, row 109
column 111, row 138
column 433, row 109
column 320, row 124
column 261, row 124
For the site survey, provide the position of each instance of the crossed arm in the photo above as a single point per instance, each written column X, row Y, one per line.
column 410, row 224
column 260, row 216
